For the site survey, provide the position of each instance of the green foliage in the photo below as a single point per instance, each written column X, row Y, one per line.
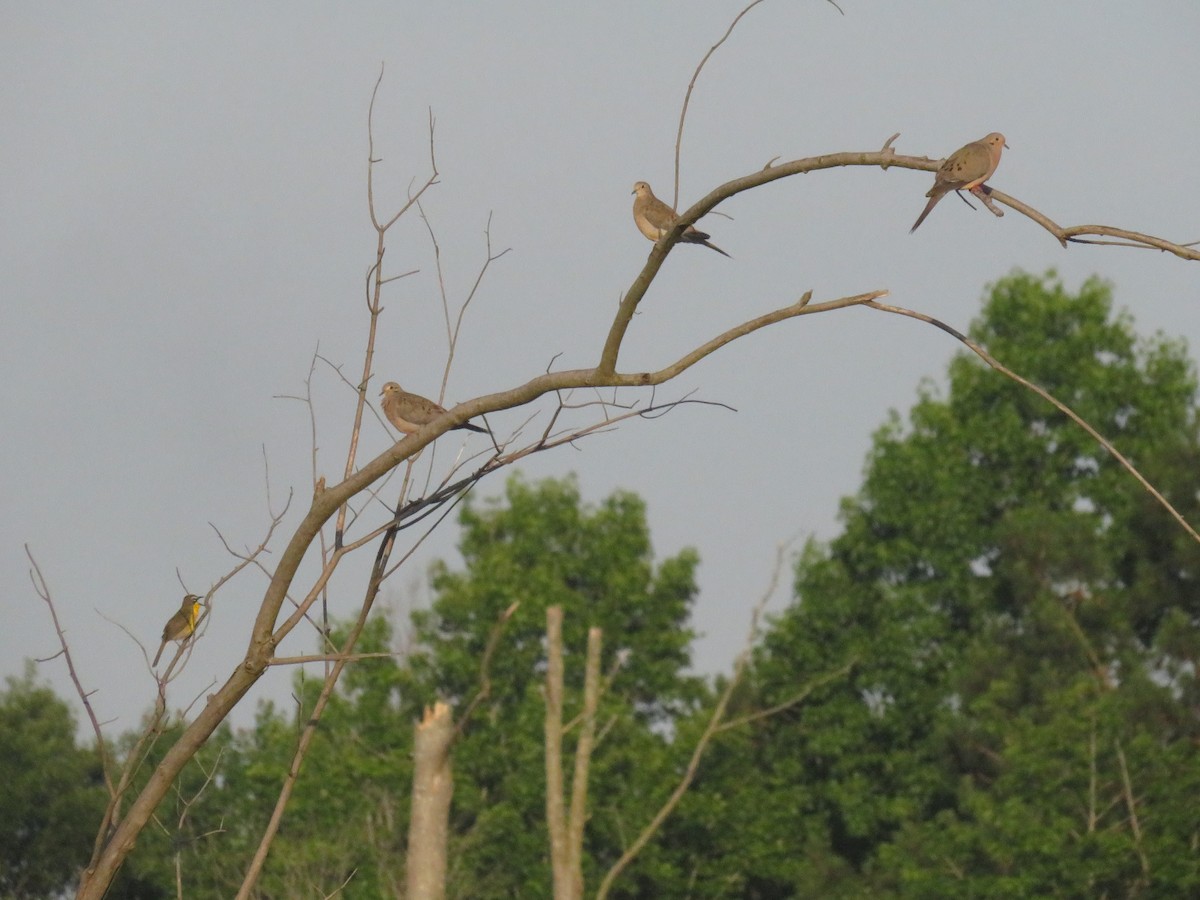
column 1019, row 609
column 545, row 548
column 52, row 795
column 539, row 547
column 348, row 812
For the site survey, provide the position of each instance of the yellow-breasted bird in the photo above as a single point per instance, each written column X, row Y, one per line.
column 181, row 625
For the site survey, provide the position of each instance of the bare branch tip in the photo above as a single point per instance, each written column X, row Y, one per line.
column 887, row 150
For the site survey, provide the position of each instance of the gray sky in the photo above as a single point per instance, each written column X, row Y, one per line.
column 185, row 222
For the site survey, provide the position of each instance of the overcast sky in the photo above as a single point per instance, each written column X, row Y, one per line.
column 183, row 188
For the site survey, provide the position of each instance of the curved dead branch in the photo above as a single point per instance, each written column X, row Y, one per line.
column 884, row 158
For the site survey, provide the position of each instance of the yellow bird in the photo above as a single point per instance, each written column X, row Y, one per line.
column 181, row 625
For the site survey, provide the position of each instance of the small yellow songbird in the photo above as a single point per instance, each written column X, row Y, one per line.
column 181, row 625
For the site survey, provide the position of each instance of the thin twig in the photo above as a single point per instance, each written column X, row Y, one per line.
column 209, row 776
column 485, row 669
column 374, row 304
column 43, row 591
column 692, row 84
column 329, row 657
column 687, row 97
column 1131, row 806
column 796, row 699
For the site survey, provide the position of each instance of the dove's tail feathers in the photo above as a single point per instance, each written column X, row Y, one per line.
column 928, row 207
column 694, row 235
column 469, row 427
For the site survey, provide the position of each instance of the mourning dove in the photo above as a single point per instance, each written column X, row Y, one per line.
column 408, row 412
column 180, row 626
column 654, row 219
column 966, row 169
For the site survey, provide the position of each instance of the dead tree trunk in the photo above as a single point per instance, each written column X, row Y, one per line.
column 433, row 785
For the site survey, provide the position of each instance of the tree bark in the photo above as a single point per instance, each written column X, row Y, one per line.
column 433, row 785
column 556, row 816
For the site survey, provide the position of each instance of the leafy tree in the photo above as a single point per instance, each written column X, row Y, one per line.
column 52, row 791
column 542, row 546
column 347, row 816
column 1020, row 718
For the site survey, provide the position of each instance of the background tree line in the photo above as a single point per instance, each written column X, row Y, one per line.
column 1018, row 717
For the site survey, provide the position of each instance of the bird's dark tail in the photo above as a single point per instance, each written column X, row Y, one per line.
column 695, row 236
column 928, row 208
column 469, row 427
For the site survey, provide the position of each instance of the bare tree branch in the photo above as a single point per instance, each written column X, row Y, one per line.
column 376, row 272
column 43, row 591
column 885, row 158
column 687, row 97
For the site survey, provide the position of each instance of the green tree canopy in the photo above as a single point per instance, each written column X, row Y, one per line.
column 1023, row 616
column 52, row 794
column 539, row 546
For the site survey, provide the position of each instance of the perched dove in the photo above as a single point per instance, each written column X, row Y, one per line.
column 180, row 626
column 408, row 412
column 654, row 219
column 966, row 169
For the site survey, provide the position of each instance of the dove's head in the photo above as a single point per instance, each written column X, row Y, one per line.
column 389, row 388
column 995, row 141
column 642, row 189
